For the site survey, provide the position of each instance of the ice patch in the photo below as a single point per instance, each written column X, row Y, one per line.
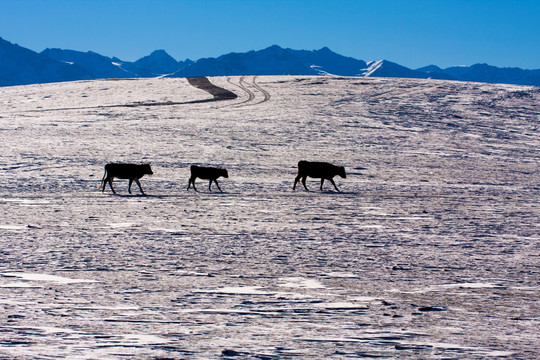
column 192, row 273
column 236, row 290
column 341, row 306
column 301, row 283
column 365, row 298
column 338, row 274
column 121, row 225
column 13, row 227
column 18, row 285
column 486, row 352
column 112, row 308
column 45, row 277
column 144, row 339
column 371, row 226
column 54, row 330
column 28, row 202
column 442, row 287
column 472, row 285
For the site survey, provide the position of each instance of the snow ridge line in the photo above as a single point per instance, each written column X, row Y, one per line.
column 132, row 105
column 202, row 83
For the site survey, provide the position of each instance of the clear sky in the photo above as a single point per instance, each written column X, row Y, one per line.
column 413, row 33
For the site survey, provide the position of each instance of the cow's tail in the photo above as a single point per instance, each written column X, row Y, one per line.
column 103, row 184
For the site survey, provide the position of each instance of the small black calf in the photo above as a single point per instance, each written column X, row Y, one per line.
column 206, row 173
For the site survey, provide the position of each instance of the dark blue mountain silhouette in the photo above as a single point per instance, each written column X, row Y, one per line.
column 20, row 66
column 160, row 63
column 97, row 65
column 485, row 73
column 270, row 61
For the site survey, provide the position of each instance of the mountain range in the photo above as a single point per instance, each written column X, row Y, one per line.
column 22, row 66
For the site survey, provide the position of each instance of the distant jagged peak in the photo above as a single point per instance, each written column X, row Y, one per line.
column 279, row 49
column 274, row 48
column 324, row 49
column 429, row 68
column 160, row 53
column 157, row 55
column 159, row 62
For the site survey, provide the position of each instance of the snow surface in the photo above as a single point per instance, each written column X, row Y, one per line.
column 430, row 251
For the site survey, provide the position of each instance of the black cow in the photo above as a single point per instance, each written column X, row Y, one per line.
column 322, row 170
column 133, row 172
column 206, row 173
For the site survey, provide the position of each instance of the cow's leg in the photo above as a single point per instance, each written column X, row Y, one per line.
column 333, row 183
column 210, row 185
column 296, row 180
column 103, row 182
column 140, row 187
column 110, row 185
column 304, row 182
column 129, row 187
column 322, row 182
column 218, row 185
column 191, row 180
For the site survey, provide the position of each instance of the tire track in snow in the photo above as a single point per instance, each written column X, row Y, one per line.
column 251, row 95
column 264, row 92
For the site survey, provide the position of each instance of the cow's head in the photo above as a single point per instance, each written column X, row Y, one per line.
column 148, row 169
column 342, row 172
column 224, row 173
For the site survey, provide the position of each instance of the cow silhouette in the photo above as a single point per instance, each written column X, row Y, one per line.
column 206, row 173
column 322, row 170
column 133, row 172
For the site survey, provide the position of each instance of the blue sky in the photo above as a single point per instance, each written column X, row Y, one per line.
column 413, row 33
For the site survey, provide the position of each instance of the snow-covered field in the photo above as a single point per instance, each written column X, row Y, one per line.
column 430, row 251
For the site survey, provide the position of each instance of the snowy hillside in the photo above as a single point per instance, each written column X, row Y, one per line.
column 430, row 251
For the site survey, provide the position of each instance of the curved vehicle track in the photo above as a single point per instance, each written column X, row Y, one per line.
column 264, row 92
column 242, row 84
